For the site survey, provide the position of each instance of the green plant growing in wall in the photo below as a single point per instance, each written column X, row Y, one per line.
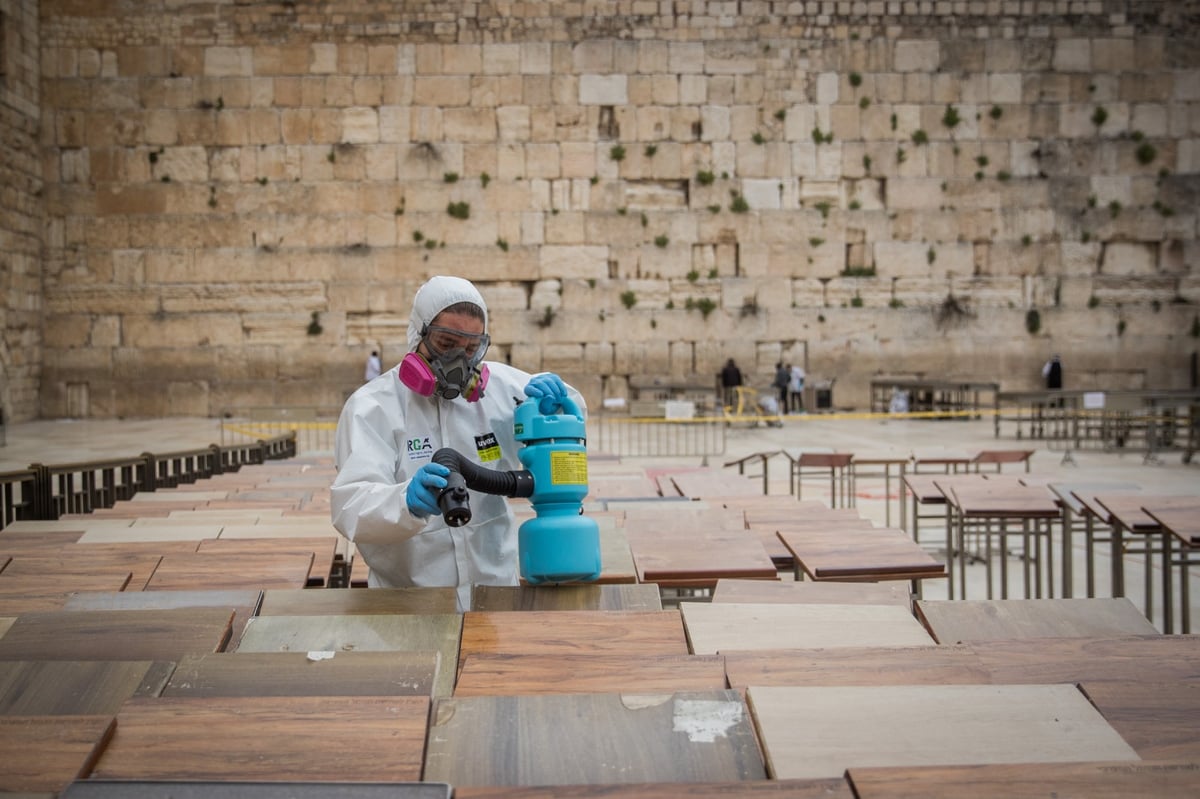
column 617, row 153
column 823, row 207
column 314, row 325
column 484, row 179
column 705, row 178
column 920, row 137
column 854, row 205
column 1146, row 153
column 866, row 162
column 645, row 220
column 713, row 274
column 781, row 114
column 661, row 241
column 1026, row 240
column 996, row 112
column 628, row 299
column 547, row 318
column 864, row 102
column 951, row 118
column 894, row 121
column 856, row 301
column 1120, row 327
column 930, row 256
column 855, row 79
column 900, row 155
column 981, row 160
column 650, row 151
column 502, row 244
column 705, row 306
column 693, row 275
column 714, row 209
column 1195, row 331
column 738, row 204
column 418, row 236
column 1033, row 321
column 460, row 210
column 450, row 177
column 1099, row 116
column 895, row 302
column 1114, row 209
column 858, row 271
column 815, row 241
column 758, row 138
column 1003, row 176
column 821, row 138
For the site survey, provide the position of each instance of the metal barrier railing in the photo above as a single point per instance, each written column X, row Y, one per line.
column 18, row 492
column 1151, row 420
column 308, row 436
column 635, row 436
column 47, row 491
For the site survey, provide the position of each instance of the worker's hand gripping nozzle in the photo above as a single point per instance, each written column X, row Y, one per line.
column 559, row 544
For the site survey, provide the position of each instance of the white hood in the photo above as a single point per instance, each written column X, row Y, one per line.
column 436, row 295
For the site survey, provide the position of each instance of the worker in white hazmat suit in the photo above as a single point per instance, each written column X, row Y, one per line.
column 443, row 394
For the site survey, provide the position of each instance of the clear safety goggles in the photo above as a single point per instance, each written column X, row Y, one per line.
column 444, row 340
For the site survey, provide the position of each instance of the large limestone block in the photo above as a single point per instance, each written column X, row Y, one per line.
column 1127, row 258
column 229, row 61
column 583, row 261
column 360, row 126
column 916, row 55
column 603, row 90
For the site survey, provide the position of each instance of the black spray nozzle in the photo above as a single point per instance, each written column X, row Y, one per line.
column 455, row 501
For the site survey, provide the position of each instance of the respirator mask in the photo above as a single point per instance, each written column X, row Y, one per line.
column 453, row 367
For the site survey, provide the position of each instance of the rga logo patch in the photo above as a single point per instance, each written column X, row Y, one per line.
column 420, row 449
column 488, row 447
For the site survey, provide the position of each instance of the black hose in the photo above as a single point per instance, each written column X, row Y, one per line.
column 454, row 500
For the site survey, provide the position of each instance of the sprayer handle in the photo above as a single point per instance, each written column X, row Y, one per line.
column 571, row 408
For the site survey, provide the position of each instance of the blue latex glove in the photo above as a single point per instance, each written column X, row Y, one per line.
column 549, row 390
column 424, row 488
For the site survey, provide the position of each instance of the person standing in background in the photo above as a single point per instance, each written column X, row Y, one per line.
column 797, row 390
column 1052, row 372
column 374, row 366
column 783, row 380
column 731, row 378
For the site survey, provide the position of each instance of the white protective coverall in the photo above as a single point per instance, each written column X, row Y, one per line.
column 386, row 432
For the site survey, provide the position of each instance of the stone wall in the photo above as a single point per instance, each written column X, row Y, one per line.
column 241, row 198
column 21, row 221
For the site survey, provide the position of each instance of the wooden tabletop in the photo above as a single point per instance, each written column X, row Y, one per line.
column 1104, row 780
column 924, row 490
column 46, row 753
column 1174, row 658
column 811, row 593
column 991, row 500
column 215, row 571
column 268, row 738
column 721, row 628
column 592, row 739
column 243, row 603
column 878, row 553
column 502, row 675
column 565, row 632
column 749, row 789
column 426, row 632
column 700, row 557
column 76, row 687
column 357, row 601
column 959, row 725
column 117, row 634
column 237, row 789
column 854, row 665
column 1160, row 720
column 968, row 620
column 1181, row 522
column 305, row 674
column 565, row 597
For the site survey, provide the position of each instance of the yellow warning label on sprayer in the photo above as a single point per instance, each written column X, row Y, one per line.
column 568, row 468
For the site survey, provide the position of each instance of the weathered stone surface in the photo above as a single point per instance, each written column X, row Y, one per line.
column 211, row 194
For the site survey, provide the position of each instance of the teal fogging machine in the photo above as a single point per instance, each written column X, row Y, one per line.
column 559, row 544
